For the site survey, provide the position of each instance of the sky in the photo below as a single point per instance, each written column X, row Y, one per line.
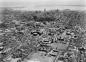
column 41, row 3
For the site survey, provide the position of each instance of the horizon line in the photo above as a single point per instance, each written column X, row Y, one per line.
column 56, row 5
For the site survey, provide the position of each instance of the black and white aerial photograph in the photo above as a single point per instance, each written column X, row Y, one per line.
column 42, row 30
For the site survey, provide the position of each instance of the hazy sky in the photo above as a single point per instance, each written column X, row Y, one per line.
column 21, row 3
column 41, row 3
